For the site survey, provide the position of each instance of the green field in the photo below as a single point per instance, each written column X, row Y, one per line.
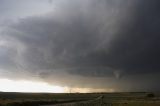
column 80, row 99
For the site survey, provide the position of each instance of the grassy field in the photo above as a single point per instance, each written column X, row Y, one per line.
column 78, row 99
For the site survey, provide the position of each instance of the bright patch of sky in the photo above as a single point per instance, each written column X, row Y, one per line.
column 15, row 9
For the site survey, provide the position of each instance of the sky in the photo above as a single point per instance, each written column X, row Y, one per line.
column 80, row 45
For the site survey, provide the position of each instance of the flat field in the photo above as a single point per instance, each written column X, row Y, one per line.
column 80, row 99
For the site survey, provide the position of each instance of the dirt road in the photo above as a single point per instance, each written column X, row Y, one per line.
column 96, row 100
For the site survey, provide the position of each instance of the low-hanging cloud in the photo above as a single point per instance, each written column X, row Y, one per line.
column 103, row 39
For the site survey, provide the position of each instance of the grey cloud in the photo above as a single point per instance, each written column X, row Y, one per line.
column 137, row 48
column 95, row 39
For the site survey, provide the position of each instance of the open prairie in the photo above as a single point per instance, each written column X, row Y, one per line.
column 80, row 99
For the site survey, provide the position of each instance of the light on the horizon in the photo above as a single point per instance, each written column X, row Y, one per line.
column 7, row 85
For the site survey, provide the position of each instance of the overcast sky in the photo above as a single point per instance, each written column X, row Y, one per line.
column 103, row 44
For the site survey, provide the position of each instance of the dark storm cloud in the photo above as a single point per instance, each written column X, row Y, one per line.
column 137, row 48
column 63, row 41
column 94, row 39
